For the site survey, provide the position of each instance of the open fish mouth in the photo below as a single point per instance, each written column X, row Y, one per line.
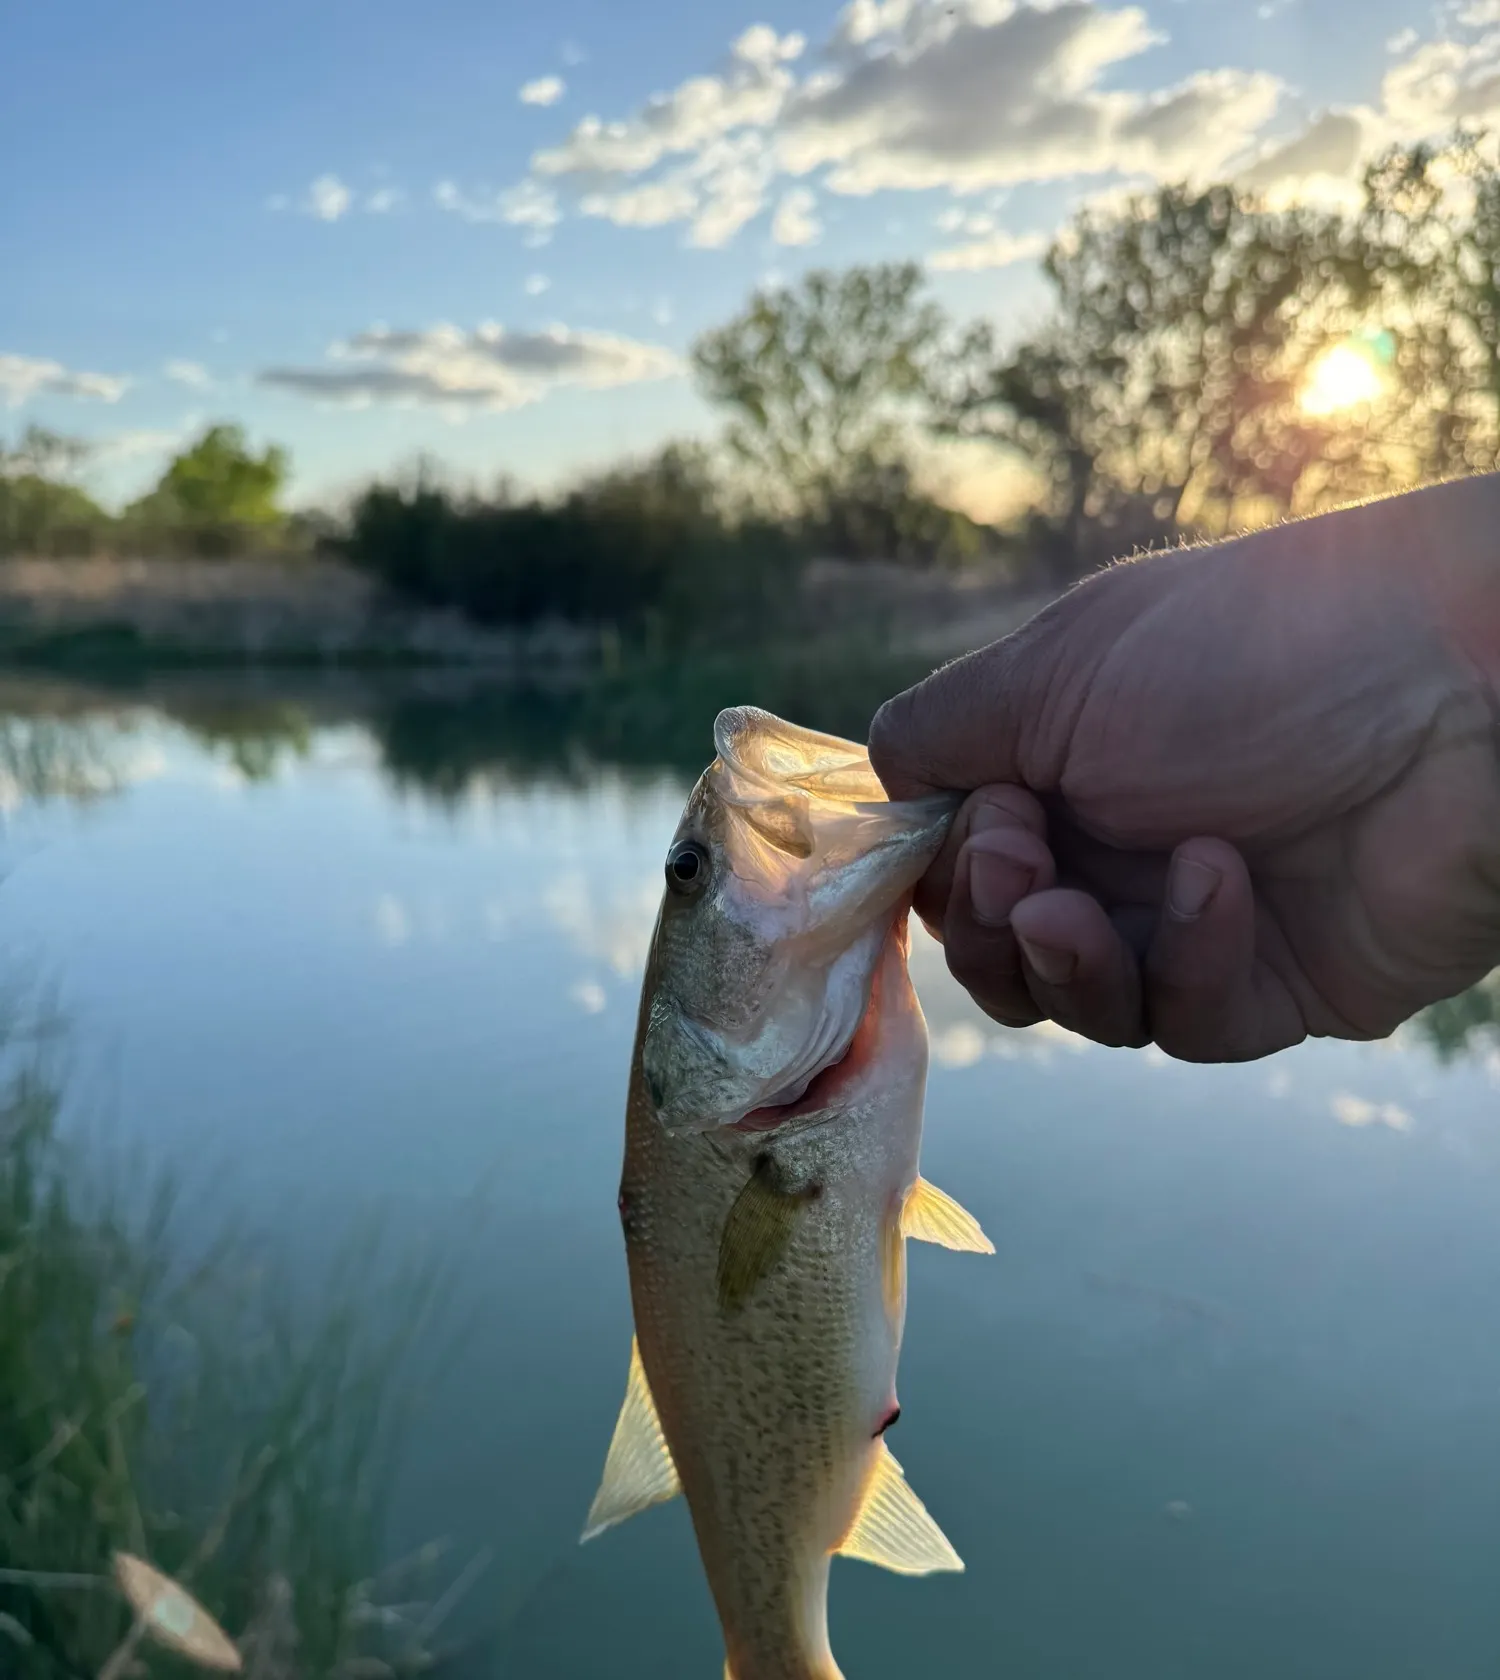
column 830, row 1078
column 818, row 1095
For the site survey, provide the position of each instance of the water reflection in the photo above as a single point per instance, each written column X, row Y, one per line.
column 451, row 739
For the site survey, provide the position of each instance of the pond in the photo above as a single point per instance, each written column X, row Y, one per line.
column 1225, row 1401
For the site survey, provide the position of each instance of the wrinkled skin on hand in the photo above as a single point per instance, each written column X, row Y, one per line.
column 1226, row 799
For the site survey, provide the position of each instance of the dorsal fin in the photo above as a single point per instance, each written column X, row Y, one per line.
column 931, row 1216
column 639, row 1470
column 893, row 1528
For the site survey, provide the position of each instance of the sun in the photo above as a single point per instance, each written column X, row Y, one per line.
column 1342, row 377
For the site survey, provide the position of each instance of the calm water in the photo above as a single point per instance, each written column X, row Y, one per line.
column 1227, row 1402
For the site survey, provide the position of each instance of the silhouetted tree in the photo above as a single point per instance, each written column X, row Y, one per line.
column 826, row 383
column 1169, row 390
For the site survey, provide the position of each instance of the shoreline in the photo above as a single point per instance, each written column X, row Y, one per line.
column 304, row 614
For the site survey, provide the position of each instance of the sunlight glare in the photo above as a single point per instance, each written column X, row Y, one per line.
column 1342, row 377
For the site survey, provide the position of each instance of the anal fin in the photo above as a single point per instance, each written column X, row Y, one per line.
column 639, row 1471
column 931, row 1216
column 893, row 1528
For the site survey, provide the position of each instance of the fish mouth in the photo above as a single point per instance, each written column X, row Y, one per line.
column 829, row 1080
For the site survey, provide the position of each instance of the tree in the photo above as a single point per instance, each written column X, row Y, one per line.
column 1164, row 392
column 1169, row 391
column 41, row 513
column 44, row 454
column 824, row 382
column 217, row 487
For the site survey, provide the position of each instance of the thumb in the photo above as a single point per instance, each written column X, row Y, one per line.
column 1007, row 712
column 971, row 724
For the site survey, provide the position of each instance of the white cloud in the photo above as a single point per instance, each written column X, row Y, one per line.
column 489, row 368
column 392, row 920
column 536, row 284
column 910, row 94
column 1350, row 1110
column 545, row 90
column 958, row 1046
column 796, row 221
column 735, row 172
column 652, row 205
column 590, row 997
column 192, row 374
column 748, row 92
column 528, row 205
column 996, row 250
column 975, row 223
column 1328, row 150
column 1431, row 87
column 328, row 199
column 986, row 94
column 615, row 931
column 1442, row 83
column 965, row 95
column 24, row 377
column 572, row 54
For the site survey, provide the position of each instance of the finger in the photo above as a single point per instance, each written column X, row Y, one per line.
column 995, row 870
column 1006, row 712
column 988, row 810
column 960, row 728
column 1078, row 969
column 1207, row 997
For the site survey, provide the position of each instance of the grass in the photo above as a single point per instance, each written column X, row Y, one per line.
column 191, row 1415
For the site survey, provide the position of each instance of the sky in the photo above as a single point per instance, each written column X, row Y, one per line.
column 368, row 229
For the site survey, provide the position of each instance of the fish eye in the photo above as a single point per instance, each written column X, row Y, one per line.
column 687, row 867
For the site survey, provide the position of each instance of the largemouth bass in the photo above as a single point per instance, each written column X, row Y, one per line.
column 772, row 1133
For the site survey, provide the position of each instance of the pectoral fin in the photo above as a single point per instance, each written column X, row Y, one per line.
column 639, row 1470
column 893, row 1528
column 756, row 1234
column 930, row 1216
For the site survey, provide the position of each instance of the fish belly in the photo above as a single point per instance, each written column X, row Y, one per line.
column 772, row 1409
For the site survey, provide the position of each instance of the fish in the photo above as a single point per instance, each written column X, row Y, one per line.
column 770, row 1184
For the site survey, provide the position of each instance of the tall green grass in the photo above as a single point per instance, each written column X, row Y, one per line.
column 197, row 1415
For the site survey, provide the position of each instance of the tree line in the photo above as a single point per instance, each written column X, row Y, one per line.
column 1209, row 362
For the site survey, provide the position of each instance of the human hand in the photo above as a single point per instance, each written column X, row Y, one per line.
column 1247, row 794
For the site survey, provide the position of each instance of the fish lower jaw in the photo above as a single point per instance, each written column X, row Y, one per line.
column 814, row 1098
column 830, row 1082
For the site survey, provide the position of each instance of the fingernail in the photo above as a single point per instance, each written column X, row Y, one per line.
column 1190, row 888
column 997, row 883
column 1052, row 964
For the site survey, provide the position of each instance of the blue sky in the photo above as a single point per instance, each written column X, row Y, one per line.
column 343, row 225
